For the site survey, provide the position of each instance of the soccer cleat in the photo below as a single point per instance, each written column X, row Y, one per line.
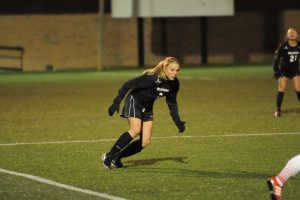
column 278, row 113
column 117, row 163
column 106, row 161
column 275, row 188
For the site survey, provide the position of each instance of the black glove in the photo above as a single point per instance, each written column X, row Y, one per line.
column 180, row 125
column 113, row 108
column 277, row 75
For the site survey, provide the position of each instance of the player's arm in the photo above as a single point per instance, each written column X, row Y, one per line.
column 143, row 81
column 173, row 107
column 277, row 59
column 140, row 82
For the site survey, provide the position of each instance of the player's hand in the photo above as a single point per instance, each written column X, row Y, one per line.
column 180, row 125
column 277, row 75
column 112, row 109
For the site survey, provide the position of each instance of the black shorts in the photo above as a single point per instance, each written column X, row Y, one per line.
column 290, row 74
column 132, row 109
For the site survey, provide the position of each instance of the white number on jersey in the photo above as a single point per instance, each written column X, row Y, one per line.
column 293, row 58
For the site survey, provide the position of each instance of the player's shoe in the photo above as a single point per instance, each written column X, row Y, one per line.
column 117, row 163
column 277, row 113
column 106, row 161
column 275, row 188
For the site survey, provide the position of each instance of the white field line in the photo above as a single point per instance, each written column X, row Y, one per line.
column 227, row 135
column 58, row 142
column 155, row 138
column 60, row 185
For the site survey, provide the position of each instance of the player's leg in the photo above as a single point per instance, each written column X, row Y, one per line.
column 142, row 142
column 291, row 169
column 282, row 85
column 133, row 113
column 296, row 82
column 276, row 183
column 133, row 148
column 147, row 133
column 124, row 140
column 137, row 145
column 135, row 125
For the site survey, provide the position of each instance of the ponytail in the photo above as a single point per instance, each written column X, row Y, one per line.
column 161, row 67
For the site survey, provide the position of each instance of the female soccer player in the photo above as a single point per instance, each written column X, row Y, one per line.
column 276, row 183
column 286, row 66
column 157, row 82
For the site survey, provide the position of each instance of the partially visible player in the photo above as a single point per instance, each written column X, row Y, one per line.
column 157, row 82
column 286, row 66
column 276, row 183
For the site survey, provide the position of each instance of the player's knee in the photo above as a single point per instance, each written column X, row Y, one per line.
column 134, row 131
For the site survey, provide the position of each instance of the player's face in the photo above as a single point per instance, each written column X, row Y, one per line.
column 292, row 34
column 172, row 71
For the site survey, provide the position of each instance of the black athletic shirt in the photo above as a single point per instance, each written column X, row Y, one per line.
column 287, row 57
column 147, row 88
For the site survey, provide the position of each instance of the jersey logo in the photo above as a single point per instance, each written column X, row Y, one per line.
column 158, row 80
column 293, row 52
column 162, row 89
column 285, row 47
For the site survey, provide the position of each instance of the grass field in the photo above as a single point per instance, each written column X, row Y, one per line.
column 55, row 126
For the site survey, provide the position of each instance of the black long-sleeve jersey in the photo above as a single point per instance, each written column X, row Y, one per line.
column 147, row 88
column 286, row 57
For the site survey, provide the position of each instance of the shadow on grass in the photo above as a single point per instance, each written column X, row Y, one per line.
column 292, row 110
column 130, row 166
column 203, row 173
column 224, row 174
column 153, row 161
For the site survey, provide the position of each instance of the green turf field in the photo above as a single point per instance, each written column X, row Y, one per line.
column 55, row 126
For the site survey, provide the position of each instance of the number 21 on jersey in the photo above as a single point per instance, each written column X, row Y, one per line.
column 293, row 58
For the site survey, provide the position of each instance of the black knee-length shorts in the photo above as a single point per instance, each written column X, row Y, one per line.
column 132, row 109
column 290, row 73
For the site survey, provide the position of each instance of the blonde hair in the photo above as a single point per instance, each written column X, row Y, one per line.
column 161, row 67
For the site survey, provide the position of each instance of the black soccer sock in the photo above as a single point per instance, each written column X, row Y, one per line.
column 298, row 95
column 122, row 142
column 279, row 99
column 134, row 148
